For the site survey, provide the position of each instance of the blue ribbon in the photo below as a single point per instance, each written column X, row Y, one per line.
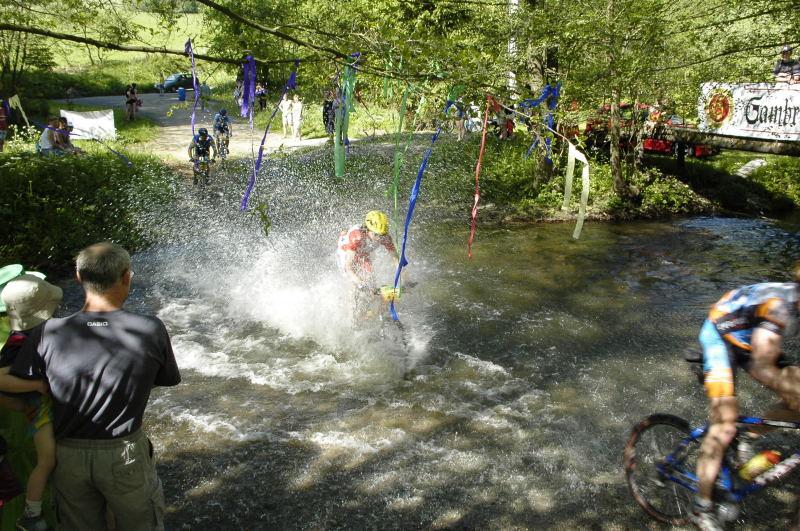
column 530, row 149
column 291, row 83
column 547, row 92
column 194, row 81
column 412, row 201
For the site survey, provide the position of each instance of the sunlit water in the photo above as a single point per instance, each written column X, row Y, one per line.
column 527, row 366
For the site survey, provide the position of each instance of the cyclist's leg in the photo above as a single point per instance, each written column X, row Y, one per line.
column 718, row 379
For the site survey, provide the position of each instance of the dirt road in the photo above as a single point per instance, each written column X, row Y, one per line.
column 176, row 131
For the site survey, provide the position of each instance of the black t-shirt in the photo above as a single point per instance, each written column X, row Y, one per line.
column 100, row 367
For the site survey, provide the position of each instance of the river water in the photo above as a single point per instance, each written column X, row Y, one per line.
column 525, row 369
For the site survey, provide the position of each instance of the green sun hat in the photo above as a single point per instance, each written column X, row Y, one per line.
column 10, row 272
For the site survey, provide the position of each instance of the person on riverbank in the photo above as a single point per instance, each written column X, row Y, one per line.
column 745, row 328
column 297, row 116
column 47, row 142
column 785, row 67
column 354, row 251
column 30, row 301
column 101, row 364
column 286, row 113
column 131, row 100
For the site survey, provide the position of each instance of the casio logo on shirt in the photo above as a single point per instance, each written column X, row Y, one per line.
column 97, row 323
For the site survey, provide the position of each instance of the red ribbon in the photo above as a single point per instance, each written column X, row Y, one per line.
column 477, row 177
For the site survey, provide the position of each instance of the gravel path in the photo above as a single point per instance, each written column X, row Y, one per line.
column 175, row 133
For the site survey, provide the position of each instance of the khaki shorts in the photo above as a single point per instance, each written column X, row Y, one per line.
column 118, row 473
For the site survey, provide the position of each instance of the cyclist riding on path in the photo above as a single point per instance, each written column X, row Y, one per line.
column 223, row 127
column 201, row 145
column 745, row 328
column 353, row 253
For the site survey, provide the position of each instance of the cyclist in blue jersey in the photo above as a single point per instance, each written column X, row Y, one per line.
column 201, row 145
column 223, row 129
column 745, row 328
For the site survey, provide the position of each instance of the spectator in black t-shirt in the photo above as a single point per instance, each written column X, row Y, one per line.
column 786, row 67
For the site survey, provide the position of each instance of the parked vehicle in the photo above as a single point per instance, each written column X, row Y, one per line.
column 597, row 128
column 176, row 81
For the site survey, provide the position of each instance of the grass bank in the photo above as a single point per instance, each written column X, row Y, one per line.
column 56, row 205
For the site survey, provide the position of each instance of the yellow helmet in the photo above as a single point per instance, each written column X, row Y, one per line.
column 377, row 222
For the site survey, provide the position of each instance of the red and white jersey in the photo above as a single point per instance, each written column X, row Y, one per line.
column 355, row 239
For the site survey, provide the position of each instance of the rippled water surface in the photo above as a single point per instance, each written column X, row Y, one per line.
column 528, row 366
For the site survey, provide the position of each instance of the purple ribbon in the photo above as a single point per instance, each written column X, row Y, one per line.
column 249, row 88
column 291, row 83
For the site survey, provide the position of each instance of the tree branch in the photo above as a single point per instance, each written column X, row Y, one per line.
column 143, row 49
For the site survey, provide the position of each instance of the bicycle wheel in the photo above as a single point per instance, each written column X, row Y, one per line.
column 657, row 490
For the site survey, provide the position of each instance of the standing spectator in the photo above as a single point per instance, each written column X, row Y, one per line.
column 286, row 113
column 297, row 116
column 130, row 102
column 30, row 301
column 784, row 69
column 161, row 84
column 328, row 115
column 3, row 122
column 101, row 364
column 460, row 118
column 262, row 96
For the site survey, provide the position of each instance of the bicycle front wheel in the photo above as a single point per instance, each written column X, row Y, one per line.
column 659, row 470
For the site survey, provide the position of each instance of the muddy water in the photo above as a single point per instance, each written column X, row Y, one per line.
column 524, row 370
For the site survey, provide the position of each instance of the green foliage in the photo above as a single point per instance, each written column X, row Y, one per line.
column 54, row 206
column 779, row 178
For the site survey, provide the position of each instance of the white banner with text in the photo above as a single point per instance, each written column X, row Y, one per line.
column 769, row 111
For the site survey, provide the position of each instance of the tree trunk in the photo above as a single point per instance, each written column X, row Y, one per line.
column 620, row 186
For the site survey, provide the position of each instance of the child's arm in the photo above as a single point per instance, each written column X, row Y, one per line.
column 12, row 384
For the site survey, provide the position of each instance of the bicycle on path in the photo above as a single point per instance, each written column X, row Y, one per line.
column 201, row 170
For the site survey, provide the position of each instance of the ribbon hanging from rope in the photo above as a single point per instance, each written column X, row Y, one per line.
column 341, row 141
column 398, row 158
column 291, row 83
column 249, row 88
column 14, row 103
column 190, row 51
column 402, row 154
column 477, row 175
column 549, row 94
column 412, row 201
column 574, row 155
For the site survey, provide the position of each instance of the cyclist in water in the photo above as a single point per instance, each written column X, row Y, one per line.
column 223, row 130
column 354, row 251
column 745, row 328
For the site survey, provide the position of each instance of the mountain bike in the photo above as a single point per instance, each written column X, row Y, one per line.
column 371, row 313
column 223, row 148
column 660, row 461
column 200, row 171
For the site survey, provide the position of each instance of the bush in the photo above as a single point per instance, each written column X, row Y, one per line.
column 54, row 206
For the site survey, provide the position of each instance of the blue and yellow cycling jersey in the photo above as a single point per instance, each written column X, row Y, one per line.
column 201, row 145
column 728, row 331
